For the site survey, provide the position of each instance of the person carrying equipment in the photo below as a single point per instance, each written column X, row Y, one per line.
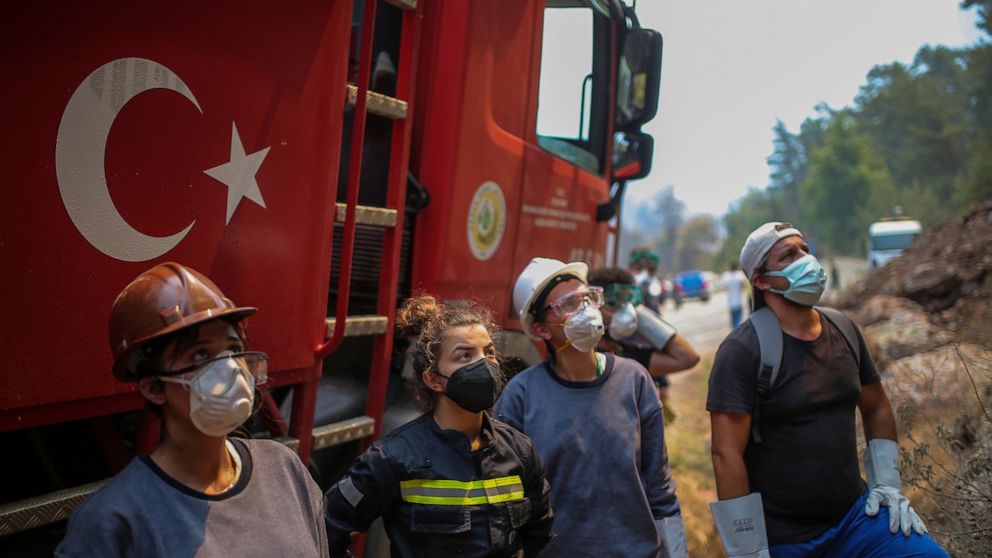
column 635, row 331
column 454, row 481
column 782, row 395
column 596, row 421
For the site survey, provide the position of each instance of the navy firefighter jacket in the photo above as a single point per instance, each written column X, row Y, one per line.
column 437, row 497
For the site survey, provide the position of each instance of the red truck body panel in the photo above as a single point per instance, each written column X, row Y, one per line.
column 173, row 93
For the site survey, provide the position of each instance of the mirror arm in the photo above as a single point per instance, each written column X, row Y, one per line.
column 606, row 210
column 629, row 13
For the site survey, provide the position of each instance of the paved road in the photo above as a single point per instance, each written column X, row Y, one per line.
column 704, row 324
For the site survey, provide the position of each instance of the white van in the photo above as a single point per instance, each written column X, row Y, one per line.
column 887, row 239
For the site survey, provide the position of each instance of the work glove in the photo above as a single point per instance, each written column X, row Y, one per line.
column 672, row 533
column 741, row 524
column 885, row 488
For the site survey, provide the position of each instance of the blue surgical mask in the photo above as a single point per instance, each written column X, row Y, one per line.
column 806, row 280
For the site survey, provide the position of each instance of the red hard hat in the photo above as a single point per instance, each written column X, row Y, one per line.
column 163, row 300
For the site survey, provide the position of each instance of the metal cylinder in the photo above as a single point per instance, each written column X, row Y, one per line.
column 652, row 328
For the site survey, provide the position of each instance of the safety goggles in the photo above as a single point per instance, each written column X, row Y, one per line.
column 617, row 295
column 575, row 300
column 254, row 362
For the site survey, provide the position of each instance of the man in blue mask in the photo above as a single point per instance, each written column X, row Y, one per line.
column 784, row 443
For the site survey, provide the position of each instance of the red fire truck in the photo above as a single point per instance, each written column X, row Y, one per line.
column 320, row 160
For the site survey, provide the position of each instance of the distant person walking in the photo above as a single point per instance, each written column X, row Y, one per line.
column 734, row 281
column 834, row 275
column 644, row 267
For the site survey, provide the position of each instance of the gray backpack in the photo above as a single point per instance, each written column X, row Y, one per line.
column 769, row 332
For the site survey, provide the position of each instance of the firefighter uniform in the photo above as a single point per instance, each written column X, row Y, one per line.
column 438, row 497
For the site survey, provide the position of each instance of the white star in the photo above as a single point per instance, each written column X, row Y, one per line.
column 239, row 174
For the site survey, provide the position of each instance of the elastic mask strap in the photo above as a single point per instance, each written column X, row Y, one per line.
column 170, row 379
column 563, row 347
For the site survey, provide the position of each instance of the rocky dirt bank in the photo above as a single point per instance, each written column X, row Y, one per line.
column 927, row 318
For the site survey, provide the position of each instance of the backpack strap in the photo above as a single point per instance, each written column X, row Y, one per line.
column 769, row 332
column 848, row 330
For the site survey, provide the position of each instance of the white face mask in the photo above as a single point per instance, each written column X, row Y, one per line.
column 584, row 328
column 624, row 322
column 221, row 395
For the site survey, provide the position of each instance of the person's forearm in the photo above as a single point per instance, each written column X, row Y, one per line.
column 876, row 413
column 677, row 355
column 731, row 476
column 880, row 423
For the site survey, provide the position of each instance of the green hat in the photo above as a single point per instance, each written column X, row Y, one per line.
column 644, row 256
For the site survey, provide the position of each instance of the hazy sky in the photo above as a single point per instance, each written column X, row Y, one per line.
column 731, row 67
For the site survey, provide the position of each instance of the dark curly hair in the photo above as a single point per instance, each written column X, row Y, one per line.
column 424, row 320
column 605, row 276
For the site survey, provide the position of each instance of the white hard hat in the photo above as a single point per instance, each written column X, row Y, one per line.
column 534, row 278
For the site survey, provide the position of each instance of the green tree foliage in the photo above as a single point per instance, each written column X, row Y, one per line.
column 745, row 215
column 697, row 241
column 848, row 185
column 920, row 119
column 919, row 136
column 788, row 164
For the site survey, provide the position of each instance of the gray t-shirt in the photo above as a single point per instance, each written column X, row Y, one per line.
column 603, row 447
column 274, row 509
column 806, row 467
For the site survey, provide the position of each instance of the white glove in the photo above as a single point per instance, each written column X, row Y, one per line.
column 884, row 488
column 672, row 533
column 741, row 524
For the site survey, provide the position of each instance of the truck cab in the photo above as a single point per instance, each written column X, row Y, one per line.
column 889, row 238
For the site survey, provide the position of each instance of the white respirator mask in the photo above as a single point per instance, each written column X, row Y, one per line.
column 584, row 329
column 222, row 391
column 623, row 324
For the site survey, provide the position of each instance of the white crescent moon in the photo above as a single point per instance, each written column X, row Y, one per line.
column 80, row 150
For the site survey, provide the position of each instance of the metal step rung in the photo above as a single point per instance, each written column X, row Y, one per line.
column 336, row 433
column 43, row 510
column 379, row 104
column 357, row 326
column 372, row 216
column 404, row 4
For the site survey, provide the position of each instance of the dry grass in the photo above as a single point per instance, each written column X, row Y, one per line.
column 688, row 440
column 947, row 449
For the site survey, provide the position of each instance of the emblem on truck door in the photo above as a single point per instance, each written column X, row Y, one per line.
column 80, row 151
column 486, row 220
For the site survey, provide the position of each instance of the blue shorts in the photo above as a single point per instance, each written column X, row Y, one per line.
column 858, row 534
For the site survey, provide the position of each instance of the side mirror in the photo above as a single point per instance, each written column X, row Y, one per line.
column 638, row 79
column 632, row 155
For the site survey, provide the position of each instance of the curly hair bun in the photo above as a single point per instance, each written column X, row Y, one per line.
column 415, row 313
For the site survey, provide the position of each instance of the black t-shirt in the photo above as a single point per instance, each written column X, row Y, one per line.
column 806, row 467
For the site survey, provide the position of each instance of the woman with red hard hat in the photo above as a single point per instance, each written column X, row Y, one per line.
column 200, row 493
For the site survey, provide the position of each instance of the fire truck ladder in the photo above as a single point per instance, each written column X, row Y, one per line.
column 349, row 215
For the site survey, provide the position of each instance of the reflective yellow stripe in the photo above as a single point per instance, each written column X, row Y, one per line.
column 455, row 501
column 464, row 485
column 445, row 492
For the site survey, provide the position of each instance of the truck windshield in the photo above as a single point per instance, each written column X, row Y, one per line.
column 893, row 241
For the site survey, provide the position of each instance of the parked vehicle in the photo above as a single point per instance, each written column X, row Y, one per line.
column 692, row 284
column 889, row 238
column 318, row 160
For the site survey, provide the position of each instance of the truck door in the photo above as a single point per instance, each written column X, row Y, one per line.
column 566, row 155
